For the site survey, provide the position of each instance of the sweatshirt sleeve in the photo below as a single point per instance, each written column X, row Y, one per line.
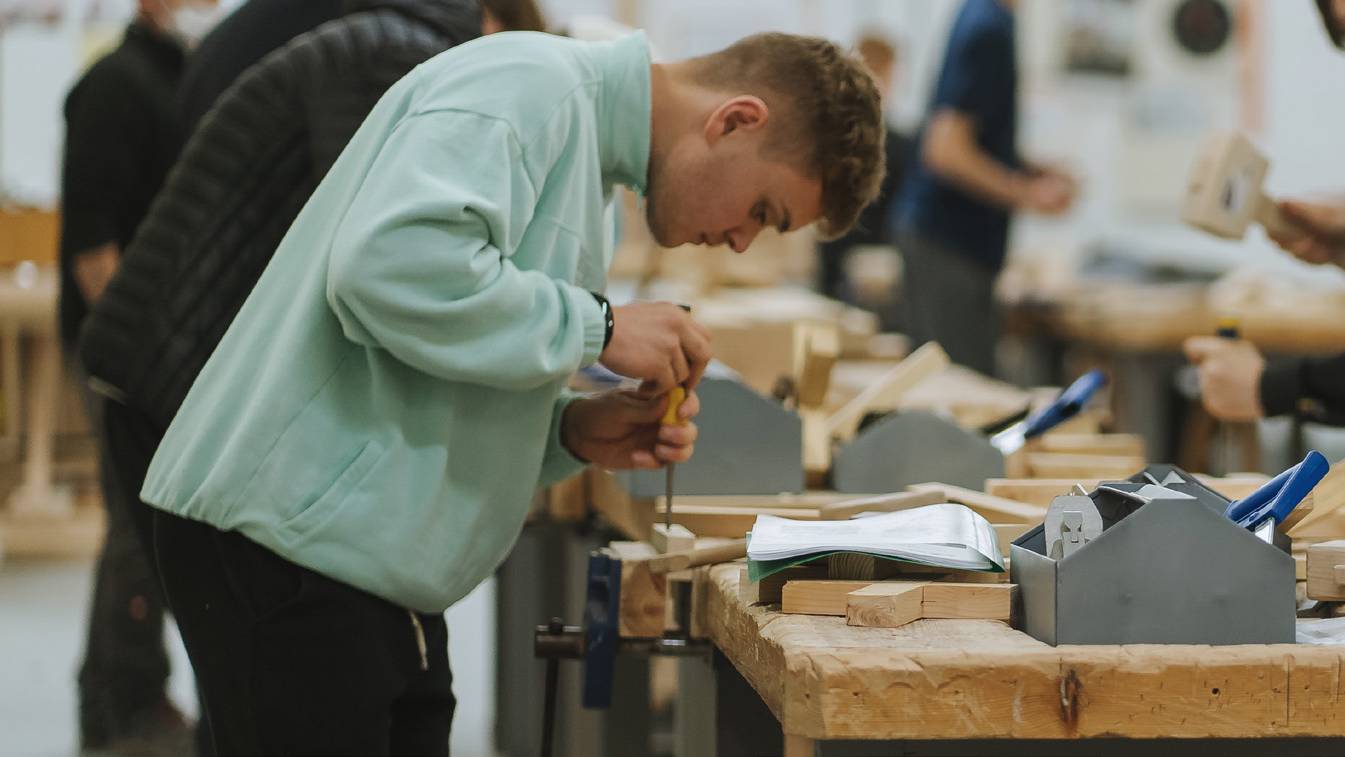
column 419, row 264
column 1311, row 386
column 557, row 463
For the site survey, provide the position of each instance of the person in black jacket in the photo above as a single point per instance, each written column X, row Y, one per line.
column 119, row 117
column 1236, row 383
column 248, row 166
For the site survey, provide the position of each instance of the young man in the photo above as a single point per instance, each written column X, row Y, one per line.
column 360, row 450
column 1236, row 384
column 119, row 125
column 954, row 209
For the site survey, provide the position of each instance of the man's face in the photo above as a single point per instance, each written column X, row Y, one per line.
column 1337, row 18
column 716, row 187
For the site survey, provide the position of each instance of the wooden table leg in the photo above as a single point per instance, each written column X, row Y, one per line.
column 37, row 495
column 9, row 386
column 799, row 746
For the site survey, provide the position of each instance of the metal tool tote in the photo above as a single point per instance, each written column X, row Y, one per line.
column 1168, row 565
column 907, row 448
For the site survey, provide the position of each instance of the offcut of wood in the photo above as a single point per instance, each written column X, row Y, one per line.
column 675, row 538
column 892, row 605
column 884, row 394
column 993, row 509
column 884, row 503
column 1326, row 571
column 770, row 590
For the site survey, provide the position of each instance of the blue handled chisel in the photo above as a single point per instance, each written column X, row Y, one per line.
column 1066, row 406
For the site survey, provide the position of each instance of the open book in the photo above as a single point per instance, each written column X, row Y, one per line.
column 943, row 536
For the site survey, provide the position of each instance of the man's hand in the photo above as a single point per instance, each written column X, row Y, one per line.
column 1317, row 233
column 1049, row 191
column 1230, row 376
column 659, row 343
column 93, row 269
column 622, row 429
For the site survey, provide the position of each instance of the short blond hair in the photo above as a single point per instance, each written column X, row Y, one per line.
column 827, row 109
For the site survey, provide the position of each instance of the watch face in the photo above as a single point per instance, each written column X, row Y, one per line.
column 1202, row 27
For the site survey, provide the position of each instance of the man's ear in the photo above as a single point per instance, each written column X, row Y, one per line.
column 738, row 113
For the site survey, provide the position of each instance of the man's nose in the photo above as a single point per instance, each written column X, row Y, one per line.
column 740, row 239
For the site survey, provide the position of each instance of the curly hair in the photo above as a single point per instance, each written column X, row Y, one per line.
column 827, row 114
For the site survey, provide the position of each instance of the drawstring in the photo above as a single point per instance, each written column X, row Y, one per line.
column 420, row 640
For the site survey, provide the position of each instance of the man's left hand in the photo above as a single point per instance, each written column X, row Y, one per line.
column 623, row 429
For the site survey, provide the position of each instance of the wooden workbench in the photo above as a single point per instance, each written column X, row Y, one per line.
column 966, row 679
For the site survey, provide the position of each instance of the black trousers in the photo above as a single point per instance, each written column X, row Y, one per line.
column 950, row 299
column 292, row 662
column 125, row 669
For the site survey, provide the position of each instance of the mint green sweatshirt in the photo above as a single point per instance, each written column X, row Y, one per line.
column 388, row 399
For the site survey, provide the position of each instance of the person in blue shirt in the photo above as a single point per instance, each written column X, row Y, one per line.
column 952, row 217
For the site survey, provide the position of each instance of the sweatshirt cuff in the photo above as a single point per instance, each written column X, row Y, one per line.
column 1281, row 387
column 595, row 327
column 559, row 463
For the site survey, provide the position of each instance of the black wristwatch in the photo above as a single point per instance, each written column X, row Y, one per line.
column 608, row 319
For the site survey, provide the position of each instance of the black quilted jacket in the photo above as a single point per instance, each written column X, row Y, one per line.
column 243, row 176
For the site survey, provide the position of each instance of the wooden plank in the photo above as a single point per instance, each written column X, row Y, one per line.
column 770, row 589
column 885, row 605
column 884, row 393
column 827, row 597
column 818, row 350
column 894, row 604
column 993, row 509
column 1322, row 563
column 816, row 441
column 968, row 601
column 699, row 555
column 1035, row 491
column 884, row 503
column 1061, row 465
column 977, row 679
column 1126, row 445
column 643, row 593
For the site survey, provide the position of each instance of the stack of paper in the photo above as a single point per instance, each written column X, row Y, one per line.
column 945, row 536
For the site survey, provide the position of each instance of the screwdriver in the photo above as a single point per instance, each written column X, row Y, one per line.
column 675, row 398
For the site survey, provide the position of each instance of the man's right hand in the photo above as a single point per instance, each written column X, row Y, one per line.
column 1317, row 233
column 1230, row 376
column 658, row 342
column 1049, row 192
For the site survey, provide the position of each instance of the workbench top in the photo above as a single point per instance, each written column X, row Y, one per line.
column 958, row 679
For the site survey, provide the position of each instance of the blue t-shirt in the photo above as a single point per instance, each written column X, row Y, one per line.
column 979, row 79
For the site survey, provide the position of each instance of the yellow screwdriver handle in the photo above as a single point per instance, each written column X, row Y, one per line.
column 675, row 398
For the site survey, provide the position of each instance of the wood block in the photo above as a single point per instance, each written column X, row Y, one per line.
column 993, row 509
column 706, row 552
column 770, row 589
column 1061, row 465
column 1035, row 491
column 816, row 440
column 885, row 605
column 643, row 594
column 968, row 601
column 848, row 508
column 885, row 393
column 1326, row 568
column 826, row 597
column 818, row 351
column 1129, row 445
column 1005, row 533
column 674, row 538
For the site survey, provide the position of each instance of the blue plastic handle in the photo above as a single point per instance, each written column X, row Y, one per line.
column 1067, row 405
column 1279, row 496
